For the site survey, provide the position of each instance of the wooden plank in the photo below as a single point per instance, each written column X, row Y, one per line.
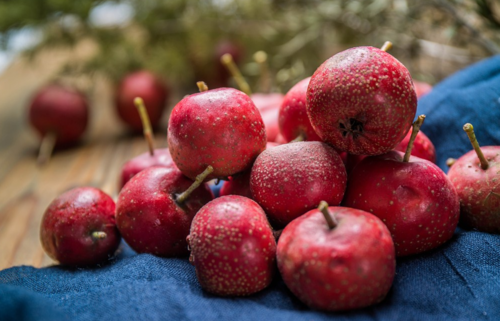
column 25, row 189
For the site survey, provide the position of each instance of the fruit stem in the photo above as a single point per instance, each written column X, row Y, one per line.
column 469, row 129
column 450, row 161
column 323, row 208
column 299, row 138
column 146, row 125
column 277, row 234
column 99, row 235
column 202, row 86
column 416, row 128
column 228, row 62
column 197, row 182
column 46, row 147
column 387, row 46
column 260, row 57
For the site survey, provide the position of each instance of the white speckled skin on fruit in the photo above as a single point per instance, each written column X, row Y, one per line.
column 478, row 189
column 362, row 101
column 293, row 118
column 232, row 247
column 350, row 266
column 219, row 127
column 148, row 215
column 415, row 199
column 291, row 179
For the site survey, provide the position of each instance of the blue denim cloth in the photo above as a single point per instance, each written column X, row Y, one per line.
column 469, row 96
column 457, row 281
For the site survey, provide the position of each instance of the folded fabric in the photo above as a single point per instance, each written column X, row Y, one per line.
column 457, row 281
column 469, row 96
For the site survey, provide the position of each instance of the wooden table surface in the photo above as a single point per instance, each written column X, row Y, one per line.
column 26, row 189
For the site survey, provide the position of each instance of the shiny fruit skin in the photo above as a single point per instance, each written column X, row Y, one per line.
column 416, row 200
column 232, row 247
column 240, row 184
column 59, row 109
column 422, row 146
column 148, row 216
column 361, row 101
column 293, row 119
column 150, row 88
column 219, row 127
column 68, row 224
column 478, row 189
column 351, row 266
column 268, row 106
column 145, row 160
column 265, row 102
column 289, row 180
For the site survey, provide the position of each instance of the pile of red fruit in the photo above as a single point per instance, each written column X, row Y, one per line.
column 342, row 229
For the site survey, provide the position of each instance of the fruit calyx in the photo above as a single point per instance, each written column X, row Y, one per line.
column 180, row 198
column 469, row 129
column 415, row 129
column 351, row 126
column 146, row 124
column 330, row 220
column 99, row 235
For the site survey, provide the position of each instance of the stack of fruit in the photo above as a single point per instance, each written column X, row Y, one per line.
column 333, row 235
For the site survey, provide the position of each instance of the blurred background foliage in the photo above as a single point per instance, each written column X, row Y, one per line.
column 181, row 40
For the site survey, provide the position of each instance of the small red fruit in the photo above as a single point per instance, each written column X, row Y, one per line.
column 347, row 265
column 232, row 247
column 149, row 215
column 422, row 146
column 288, row 180
column 362, row 101
column 60, row 110
column 219, row 127
column 161, row 158
column 150, row 88
column 413, row 198
column 476, row 177
column 78, row 228
column 293, row 119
